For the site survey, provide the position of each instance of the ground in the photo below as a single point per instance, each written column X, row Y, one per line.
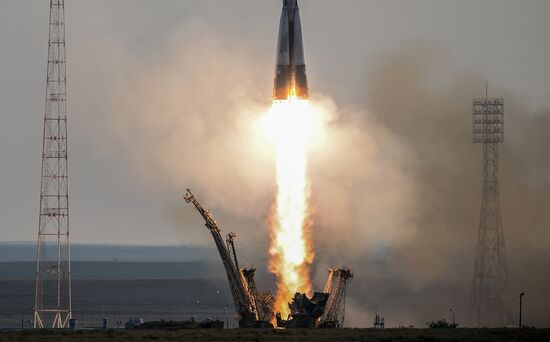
column 282, row 335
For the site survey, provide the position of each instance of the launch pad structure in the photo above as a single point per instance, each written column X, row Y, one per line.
column 255, row 308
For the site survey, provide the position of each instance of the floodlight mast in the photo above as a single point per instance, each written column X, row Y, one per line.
column 490, row 276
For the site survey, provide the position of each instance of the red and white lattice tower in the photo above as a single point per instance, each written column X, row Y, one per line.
column 52, row 305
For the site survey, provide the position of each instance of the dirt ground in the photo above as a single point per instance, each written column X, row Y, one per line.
column 282, row 335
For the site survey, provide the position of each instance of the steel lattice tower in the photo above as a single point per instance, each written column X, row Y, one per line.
column 490, row 269
column 52, row 307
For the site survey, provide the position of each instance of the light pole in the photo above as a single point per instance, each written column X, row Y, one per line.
column 226, row 317
column 453, row 316
column 520, row 303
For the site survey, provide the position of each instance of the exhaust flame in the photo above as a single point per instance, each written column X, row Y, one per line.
column 291, row 125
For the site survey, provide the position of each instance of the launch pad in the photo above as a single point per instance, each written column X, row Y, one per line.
column 255, row 308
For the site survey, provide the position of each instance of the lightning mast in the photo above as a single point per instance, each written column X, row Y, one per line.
column 52, row 305
column 490, row 270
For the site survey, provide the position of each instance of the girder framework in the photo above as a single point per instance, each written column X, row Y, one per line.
column 52, row 305
column 243, row 299
column 335, row 308
column 490, row 278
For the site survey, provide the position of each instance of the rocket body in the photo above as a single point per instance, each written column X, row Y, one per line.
column 290, row 71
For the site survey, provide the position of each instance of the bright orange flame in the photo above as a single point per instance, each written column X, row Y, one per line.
column 291, row 126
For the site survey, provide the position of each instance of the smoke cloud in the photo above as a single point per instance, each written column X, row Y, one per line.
column 396, row 180
column 416, row 95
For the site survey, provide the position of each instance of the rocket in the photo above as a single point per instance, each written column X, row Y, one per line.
column 290, row 71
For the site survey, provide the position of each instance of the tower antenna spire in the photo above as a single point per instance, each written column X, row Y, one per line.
column 52, row 302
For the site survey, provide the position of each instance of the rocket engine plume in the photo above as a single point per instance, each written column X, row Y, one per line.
column 291, row 124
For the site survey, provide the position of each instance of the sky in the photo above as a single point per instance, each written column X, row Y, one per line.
column 164, row 95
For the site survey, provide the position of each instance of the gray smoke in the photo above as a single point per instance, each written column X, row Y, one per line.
column 414, row 93
column 395, row 182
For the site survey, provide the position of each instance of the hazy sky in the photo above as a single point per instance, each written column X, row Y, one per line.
column 505, row 41
column 164, row 95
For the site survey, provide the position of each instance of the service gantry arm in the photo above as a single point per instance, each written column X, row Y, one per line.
column 241, row 298
column 328, row 285
column 264, row 301
column 250, row 287
column 230, row 242
column 336, row 304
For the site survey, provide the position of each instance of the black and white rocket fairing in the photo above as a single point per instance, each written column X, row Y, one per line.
column 290, row 71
